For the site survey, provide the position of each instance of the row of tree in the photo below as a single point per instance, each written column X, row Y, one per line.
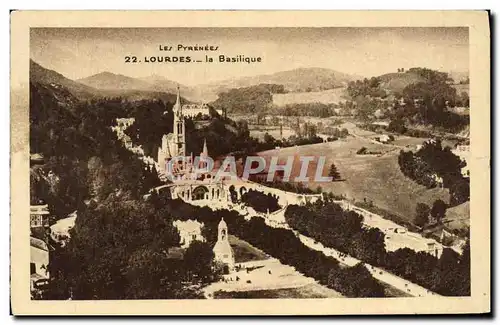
column 343, row 230
column 260, row 202
column 248, row 100
column 284, row 245
column 423, row 211
column 434, row 165
column 366, row 87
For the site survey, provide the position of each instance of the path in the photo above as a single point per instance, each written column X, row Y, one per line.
column 267, row 274
column 378, row 273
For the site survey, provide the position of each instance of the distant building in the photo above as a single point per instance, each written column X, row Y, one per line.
column 189, row 231
column 39, row 221
column 39, row 262
column 381, row 123
column 193, row 110
column 434, row 249
column 463, row 152
column 384, row 138
column 39, row 215
column 125, row 122
column 36, row 159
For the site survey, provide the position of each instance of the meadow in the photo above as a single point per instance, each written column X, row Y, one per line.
column 330, row 96
column 366, row 178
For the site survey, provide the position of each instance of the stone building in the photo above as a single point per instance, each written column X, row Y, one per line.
column 222, row 249
column 189, row 231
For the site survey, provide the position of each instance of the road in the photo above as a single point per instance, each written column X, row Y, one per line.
column 382, row 275
column 378, row 273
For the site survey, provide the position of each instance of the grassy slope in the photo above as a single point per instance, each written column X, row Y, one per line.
column 396, row 82
column 325, row 97
column 245, row 252
column 378, row 179
column 308, row 291
column 459, row 216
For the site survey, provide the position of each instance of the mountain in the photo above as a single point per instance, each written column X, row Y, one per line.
column 42, row 75
column 157, row 82
column 296, row 80
column 110, row 81
column 104, row 84
column 154, row 86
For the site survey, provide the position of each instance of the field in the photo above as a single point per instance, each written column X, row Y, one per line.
column 458, row 216
column 258, row 131
column 375, row 178
column 325, row 97
column 307, row 291
column 244, row 252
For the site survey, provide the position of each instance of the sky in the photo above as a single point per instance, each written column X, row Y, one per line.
column 81, row 52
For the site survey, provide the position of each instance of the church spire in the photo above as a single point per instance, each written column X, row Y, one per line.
column 178, row 106
column 204, row 153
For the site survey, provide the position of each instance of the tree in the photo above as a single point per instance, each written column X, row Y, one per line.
column 459, row 192
column 334, row 173
column 269, row 139
column 397, row 126
column 438, row 210
column 422, row 214
column 355, row 281
column 199, row 258
column 260, row 201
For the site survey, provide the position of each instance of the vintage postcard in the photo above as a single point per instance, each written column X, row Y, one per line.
column 250, row 163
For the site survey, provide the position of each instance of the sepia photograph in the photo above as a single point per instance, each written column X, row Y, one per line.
column 253, row 165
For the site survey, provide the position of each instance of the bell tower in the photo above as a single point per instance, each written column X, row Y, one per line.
column 179, row 127
column 222, row 249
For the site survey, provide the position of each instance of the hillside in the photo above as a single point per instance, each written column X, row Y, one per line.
column 396, row 82
column 296, row 80
column 155, row 86
column 458, row 217
column 330, row 96
column 45, row 76
column 102, row 85
column 253, row 99
column 160, row 83
column 374, row 178
column 108, row 80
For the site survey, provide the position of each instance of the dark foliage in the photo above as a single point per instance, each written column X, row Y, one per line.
column 431, row 160
column 119, row 247
column 343, row 230
column 334, row 173
column 260, row 202
column 253, row 99
column 284, row 245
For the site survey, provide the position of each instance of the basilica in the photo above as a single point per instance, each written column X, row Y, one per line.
column 173, row 145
